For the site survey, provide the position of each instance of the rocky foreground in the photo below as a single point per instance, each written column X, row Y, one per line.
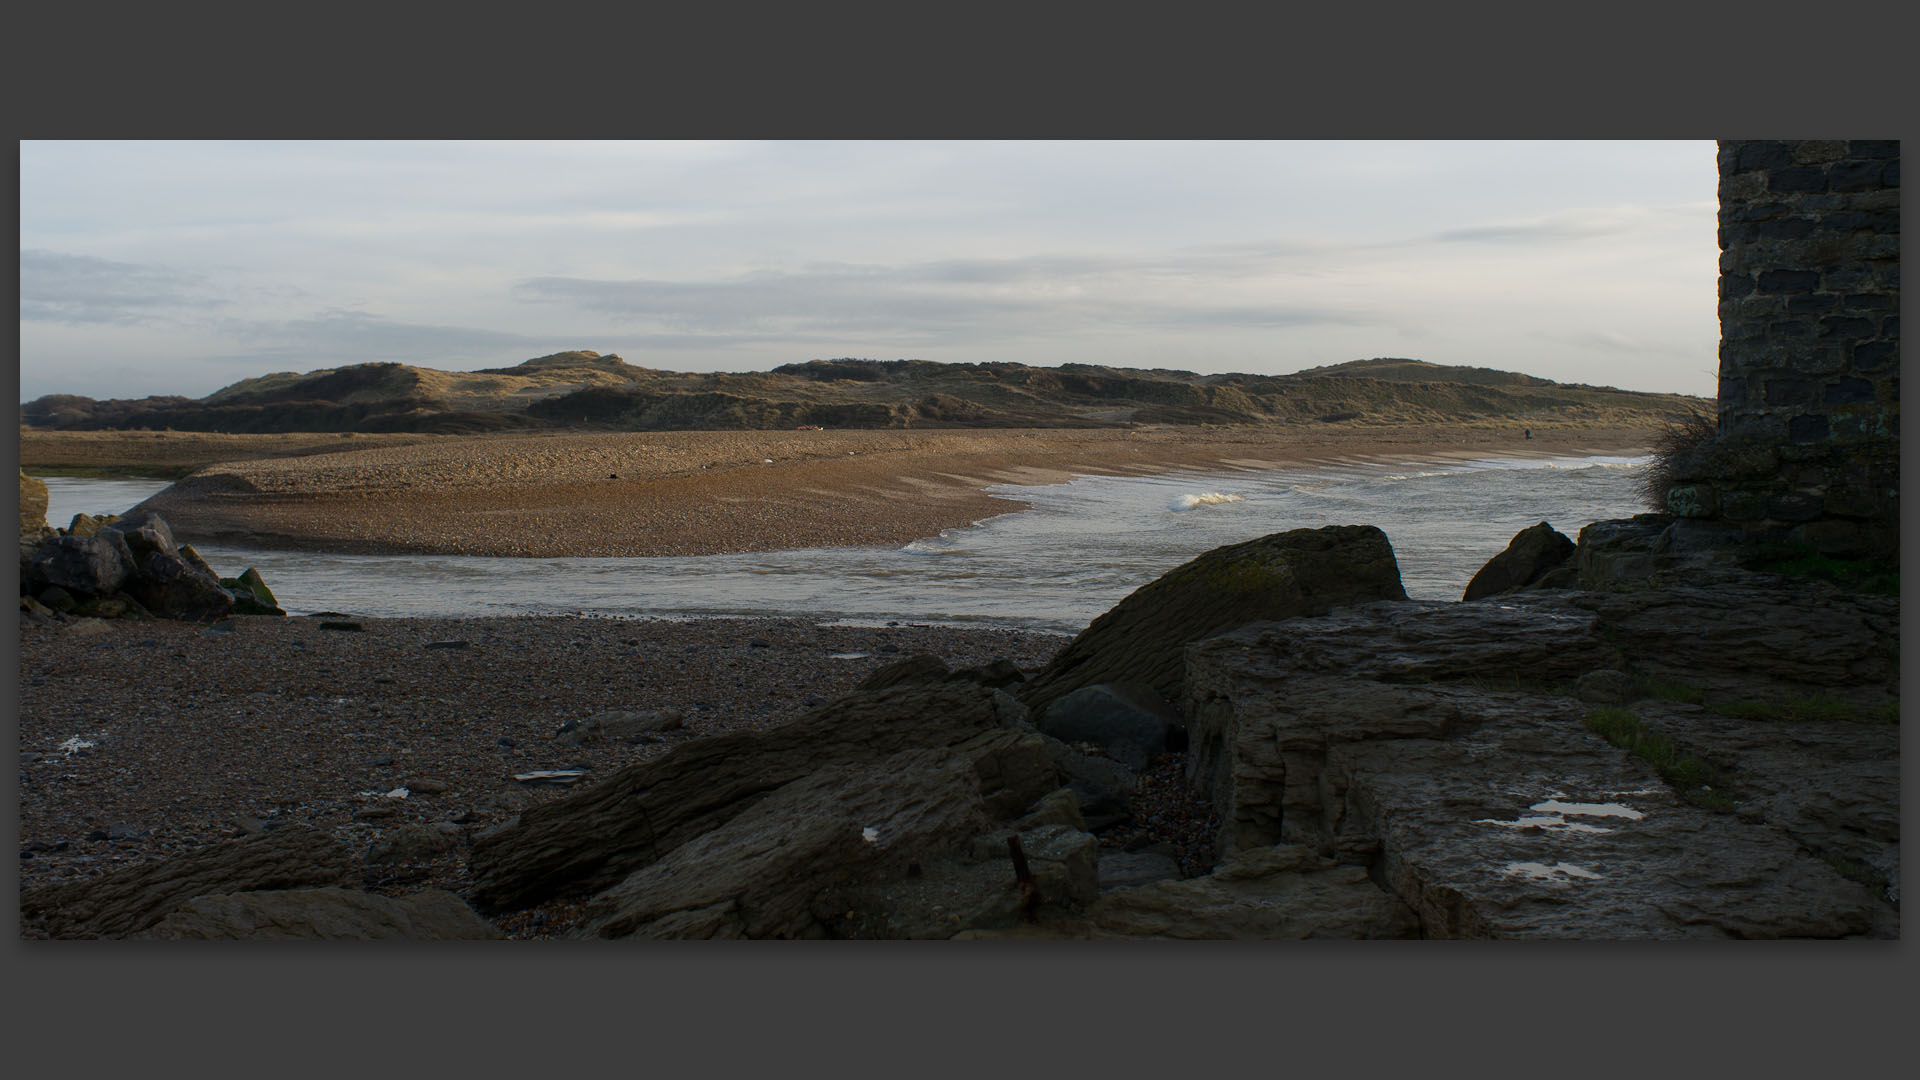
column 1628, row 738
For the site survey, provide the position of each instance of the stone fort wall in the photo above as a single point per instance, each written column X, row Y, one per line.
column 1809, row 404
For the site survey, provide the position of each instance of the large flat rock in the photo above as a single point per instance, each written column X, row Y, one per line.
column 1446, row 740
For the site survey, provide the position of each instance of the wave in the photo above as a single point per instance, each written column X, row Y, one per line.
column 1183, row 503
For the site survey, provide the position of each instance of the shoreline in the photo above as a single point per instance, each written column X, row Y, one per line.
column 714, row 493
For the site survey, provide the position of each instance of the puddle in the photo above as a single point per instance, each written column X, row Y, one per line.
column 1553, row 805
column 1558, row 871
column 1553, row 822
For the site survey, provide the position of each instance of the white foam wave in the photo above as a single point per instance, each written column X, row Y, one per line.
column 1183, row 503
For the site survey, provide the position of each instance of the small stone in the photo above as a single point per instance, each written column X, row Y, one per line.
column 383, row 759
column 424, row 786
column 453, row 644
column 507, row 743
column 373, row 813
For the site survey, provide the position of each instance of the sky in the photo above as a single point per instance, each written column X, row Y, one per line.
column 183, row 267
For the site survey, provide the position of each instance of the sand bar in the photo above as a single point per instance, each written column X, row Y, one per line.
column 713, row 492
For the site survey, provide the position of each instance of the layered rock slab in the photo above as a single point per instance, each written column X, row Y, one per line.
column 589, row 842
column 130, row 901
column 1447, row 735
column 329, row 914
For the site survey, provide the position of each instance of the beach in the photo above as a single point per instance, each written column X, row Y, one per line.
column 715, row 492
column 144, row 740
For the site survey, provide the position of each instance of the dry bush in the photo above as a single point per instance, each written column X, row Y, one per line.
column 1681, row 433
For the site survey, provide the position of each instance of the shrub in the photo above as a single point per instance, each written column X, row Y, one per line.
column 1680, row 434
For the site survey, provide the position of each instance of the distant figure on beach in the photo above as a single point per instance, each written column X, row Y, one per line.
column 1528, row 432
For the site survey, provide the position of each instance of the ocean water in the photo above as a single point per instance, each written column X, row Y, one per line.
column 1082, row 547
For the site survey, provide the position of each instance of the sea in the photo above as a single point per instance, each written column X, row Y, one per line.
column 1080, row 548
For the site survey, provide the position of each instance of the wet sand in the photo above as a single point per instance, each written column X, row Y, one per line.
column 714, row 492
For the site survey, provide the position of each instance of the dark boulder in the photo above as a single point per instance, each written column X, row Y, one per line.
column 146, row 532
column 1128, row 720
column 1532, row 554
column 1143, row 638
column 82, row 565
column 173, row 588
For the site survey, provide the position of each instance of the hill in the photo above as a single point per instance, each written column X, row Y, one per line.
column 583, row 390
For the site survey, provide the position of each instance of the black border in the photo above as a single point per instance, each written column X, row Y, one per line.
column 1084, row 71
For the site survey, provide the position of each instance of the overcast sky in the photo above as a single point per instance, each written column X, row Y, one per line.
column 181, row 267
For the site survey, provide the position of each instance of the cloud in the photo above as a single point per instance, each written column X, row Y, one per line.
column 956, row 301
column 346, row 336
column 1555, row 229
column 56, row 287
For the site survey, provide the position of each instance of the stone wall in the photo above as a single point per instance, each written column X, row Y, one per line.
column 1809, row 404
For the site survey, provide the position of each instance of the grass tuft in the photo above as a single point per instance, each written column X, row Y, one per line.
column 1692, row 778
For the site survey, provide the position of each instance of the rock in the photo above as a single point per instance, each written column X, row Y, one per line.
column 131, row 900
column 251, row 580
column 923, row 668
column 87, row 525
column 999, row 674
column 328, row 914
column 1103, row 788
column 1143, row 638
column 421, row 785
column 1605, row 687
column 619, row 726
column 1060, row 807
column 58, row 599
column 1619, row 554
column 1815, row 641
column 1534, row 552
column 1449, row 736
column 1129, row 720
column 414, row 842
column 1281, row 892
column 644, row 812
column 1123, row 869
column 773, row 869
column 171, row 587
column 84, row 566
column 194, row 560
column 146, row 532
column 33, row 505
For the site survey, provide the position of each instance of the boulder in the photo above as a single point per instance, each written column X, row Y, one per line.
column 1534, row 552
column 82, row 565
column 1128, row 720
column 171, row 587
column 329, row 914
column 594, row 839
column 1143, row 638
column 146, row 532
column 84, row 524
column 128, row 901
